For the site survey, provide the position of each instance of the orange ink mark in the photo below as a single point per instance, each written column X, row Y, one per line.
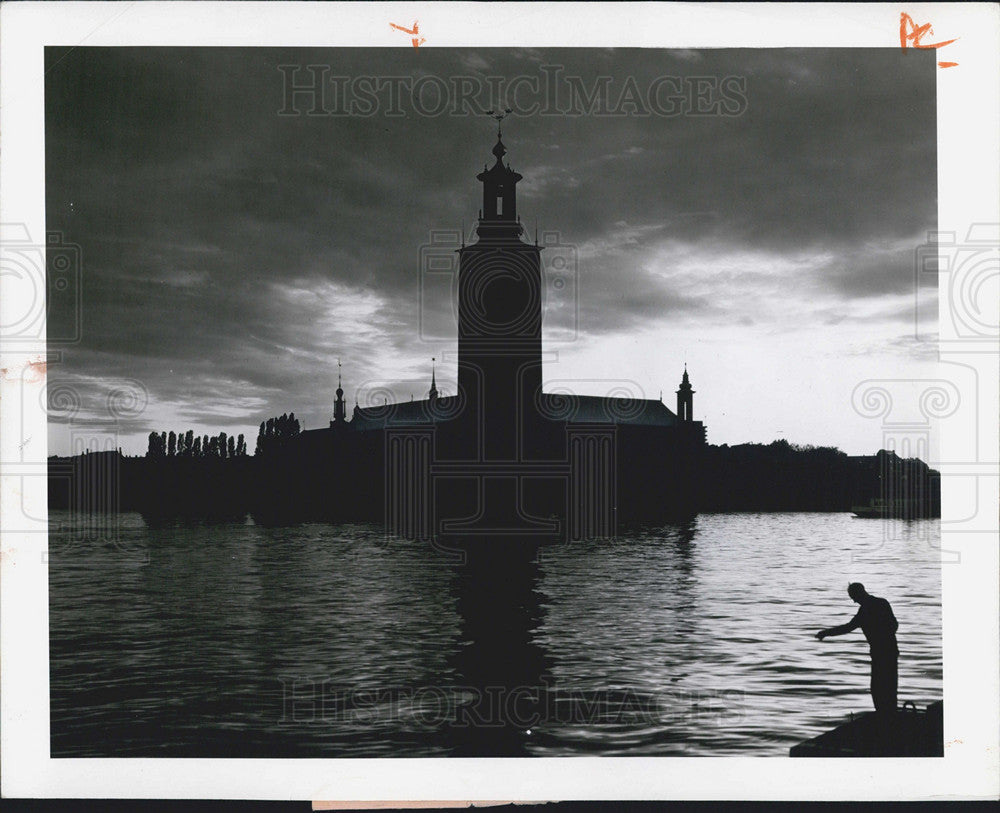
column 414, row 33
column 31, row 373
column 911, row 34
column 36, row 370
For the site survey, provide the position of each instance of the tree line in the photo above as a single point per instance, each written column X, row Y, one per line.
column 187, row 444
column 275, row 432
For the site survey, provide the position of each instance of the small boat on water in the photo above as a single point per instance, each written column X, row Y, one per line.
column 910, row 732
column 891, row 509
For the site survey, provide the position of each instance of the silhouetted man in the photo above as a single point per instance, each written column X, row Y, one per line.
column 879, row 625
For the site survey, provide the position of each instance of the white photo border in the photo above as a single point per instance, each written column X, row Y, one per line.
column 969, row 196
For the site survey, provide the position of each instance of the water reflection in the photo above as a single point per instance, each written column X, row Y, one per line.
column 315, row 640
column 500, row 667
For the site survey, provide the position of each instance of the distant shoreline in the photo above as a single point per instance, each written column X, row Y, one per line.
column 747, row 478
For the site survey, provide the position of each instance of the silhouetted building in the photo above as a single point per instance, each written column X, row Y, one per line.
column 501, row 456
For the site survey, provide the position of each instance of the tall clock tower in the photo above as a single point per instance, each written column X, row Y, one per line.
column 500, row 321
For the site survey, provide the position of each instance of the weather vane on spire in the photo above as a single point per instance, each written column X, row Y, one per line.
column 499, row 117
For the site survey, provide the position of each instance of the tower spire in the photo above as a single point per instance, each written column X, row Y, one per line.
column 685, row 398
column 499, row 117
column 498, row 218
column 433, row 393
column 339, row 410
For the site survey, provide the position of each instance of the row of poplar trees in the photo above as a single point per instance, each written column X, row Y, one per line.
column 274, row 432
column 171, row 444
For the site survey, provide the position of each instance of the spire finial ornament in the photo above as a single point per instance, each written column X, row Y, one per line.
column 339, row 412
column 499, row 150
column 493, row 114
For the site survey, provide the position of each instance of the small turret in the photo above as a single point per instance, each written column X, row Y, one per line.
column 433, row 392
column 339, row 409
column 685, row 398
column 498, row 217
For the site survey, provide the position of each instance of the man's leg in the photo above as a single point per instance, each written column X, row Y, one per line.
column 884, row 683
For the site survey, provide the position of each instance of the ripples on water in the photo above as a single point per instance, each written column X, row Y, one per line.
column 316, row 640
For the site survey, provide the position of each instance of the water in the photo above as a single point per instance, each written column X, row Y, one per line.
column 327, row 641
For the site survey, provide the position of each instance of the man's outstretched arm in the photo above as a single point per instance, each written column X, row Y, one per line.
column 853, row 624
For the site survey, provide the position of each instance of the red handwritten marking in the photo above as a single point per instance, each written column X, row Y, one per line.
column 911, row 34
column 38, row 370
column 413, row 33
column 31, row 373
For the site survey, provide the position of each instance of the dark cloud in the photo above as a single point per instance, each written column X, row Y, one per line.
column 873, row 270
column 230, row 253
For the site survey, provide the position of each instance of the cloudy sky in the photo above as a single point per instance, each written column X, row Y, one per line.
column 233, row 246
